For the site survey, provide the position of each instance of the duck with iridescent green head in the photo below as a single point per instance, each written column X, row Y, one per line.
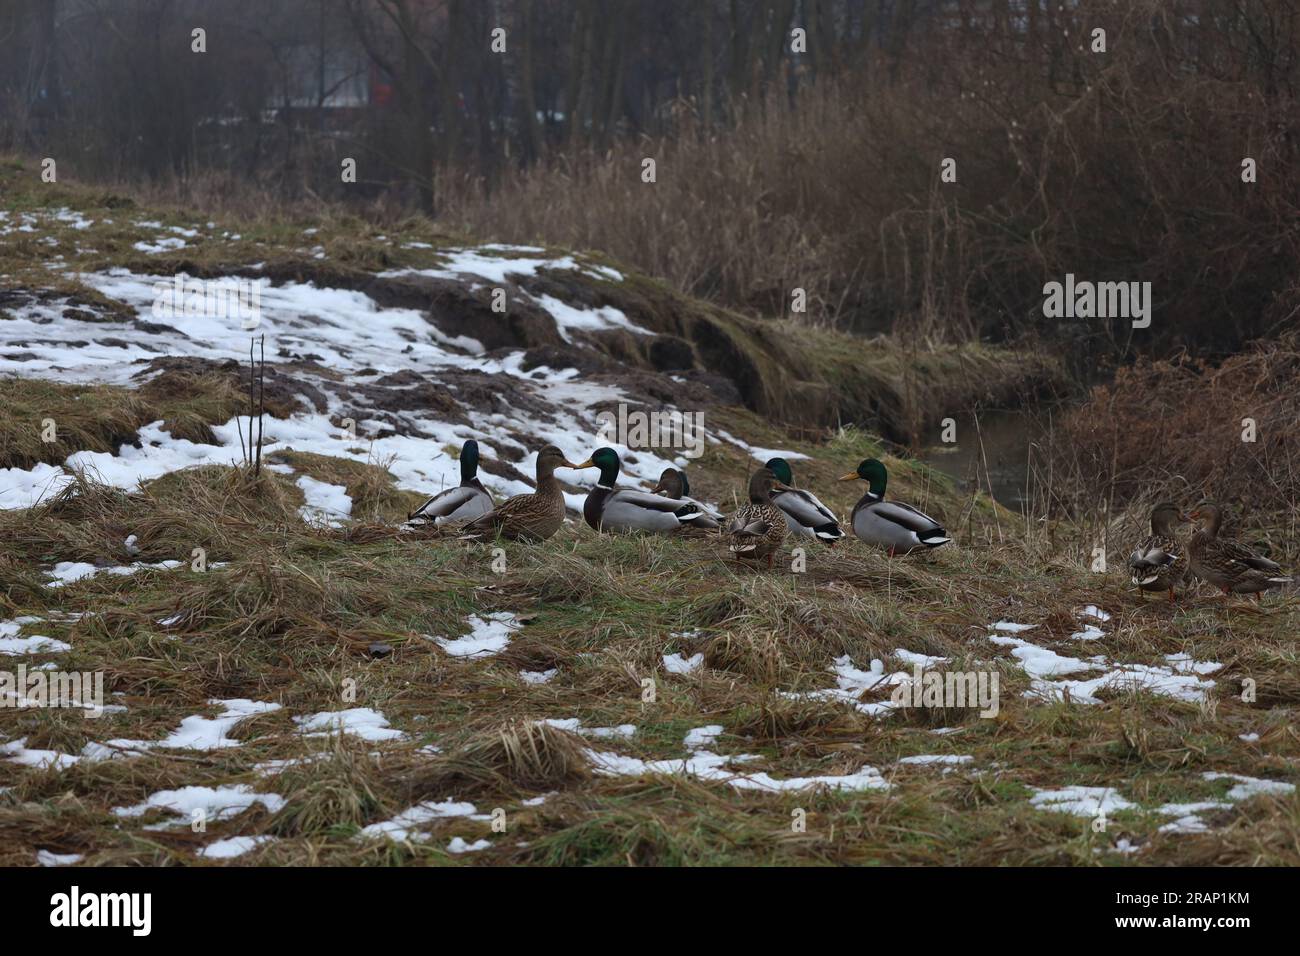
column 892, row 525
column 624, row 510
column 465, row 502
column 804, row 513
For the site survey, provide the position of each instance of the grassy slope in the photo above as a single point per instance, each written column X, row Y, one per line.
column 291, row 616
column 789, row 371
column 290, row 619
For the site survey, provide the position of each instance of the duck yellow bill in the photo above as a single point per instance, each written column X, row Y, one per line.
column 586, row 464
column 849, row 477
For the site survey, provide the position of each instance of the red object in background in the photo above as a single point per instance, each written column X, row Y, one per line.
column 381, row 87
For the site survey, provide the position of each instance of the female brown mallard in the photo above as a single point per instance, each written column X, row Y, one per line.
column 531, row 517
column 465, row 502
column 1159, row 563
column 757, row 529
column 674, row 484
column 1227, row 564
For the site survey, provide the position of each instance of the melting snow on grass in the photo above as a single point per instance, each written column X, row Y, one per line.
column 358, row 721
column 676, row 664
column 12, row 645
column 946, row 760
column 232, row 847
column 68, row 572
column 488, row 634
column 458, row 845
column 1094, row 801
column 201, row 733
column 46, row 858
column 16, row 751
column 714, row 767
column 1082, row 801
column 208, row 803
column 538, row 677
column 1180, row 677
column 709, row 766
column 574, row 726
column 406, row 826
column 325, row 503
column 852, row 683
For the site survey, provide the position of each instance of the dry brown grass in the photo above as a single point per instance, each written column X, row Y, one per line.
column 1124, row 165
column 1175, row 429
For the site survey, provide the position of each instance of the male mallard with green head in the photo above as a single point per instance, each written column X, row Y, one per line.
column 621, row 510
column 757, row 530
column 674, row 484
column 1227, row 564
column 804, row 513
column 531, row 517
column 1159, row 562
column 465, row 502
column 892, row 525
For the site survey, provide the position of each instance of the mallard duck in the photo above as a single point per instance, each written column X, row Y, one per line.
column 531, row 517
column 620, row 510
column 465, row 502
column 892, row 525
column 757, row 529
column 1227, row 564
column 1159, row 563
column 673, row 484
column 804, row 513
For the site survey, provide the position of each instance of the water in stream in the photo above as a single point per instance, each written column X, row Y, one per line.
column 992, row 450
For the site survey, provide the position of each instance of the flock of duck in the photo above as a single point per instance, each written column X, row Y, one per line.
column 1164, row 561
column 776, row 507
column 753, row 532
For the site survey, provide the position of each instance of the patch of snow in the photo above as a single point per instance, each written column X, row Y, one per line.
column 12, row 645
column 676, row 664
column 358, row 721
column 488, row 634
column 712, row 767
column 405, row 825
column 214, row 803
column 538, row 677
column 324, row 502
column 68, row 572
column 232, row 847
column 458, row 845
column 699, row 737
column 203, row 733
column 46, row 858
column 16, row 750
column 1081, row 801
column 921, row 660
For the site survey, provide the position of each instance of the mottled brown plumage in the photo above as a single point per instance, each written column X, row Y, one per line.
column 1160, row 562
column 531, row 517
column 757, row 530
column 1228, row 564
